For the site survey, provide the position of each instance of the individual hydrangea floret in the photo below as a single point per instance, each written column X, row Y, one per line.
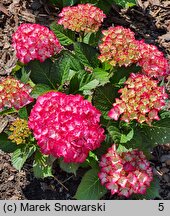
column 13, row 93
column 19, row 131
column 81, row 18
column 152, row 61
column 35, row 42
column 66, row 126
column 119, row 47
column 125, row 173
column 141, row 99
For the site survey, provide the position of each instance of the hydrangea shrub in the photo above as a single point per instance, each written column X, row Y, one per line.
column 81, row 89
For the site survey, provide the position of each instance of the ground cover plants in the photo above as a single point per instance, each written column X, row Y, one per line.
column 89, row 97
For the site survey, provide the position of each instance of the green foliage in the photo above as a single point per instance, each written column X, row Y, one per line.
column 65, row 36
column 159, row 132
column 40, row 89
column 90, row 187
column 103, row 98
column 41, row 167
column 21, row 154
column 86, row 54
column 5, row 144
column 69, row 167
column 23, row 114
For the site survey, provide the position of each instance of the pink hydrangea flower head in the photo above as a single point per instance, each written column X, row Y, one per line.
column 152, row 61
column 81, row 18
column 141, row 99
column 119, row 47
column 125, row 173
column 13, row 93
column 33, row 41
column 66, row 126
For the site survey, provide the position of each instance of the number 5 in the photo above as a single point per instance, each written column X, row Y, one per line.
column 161, row 207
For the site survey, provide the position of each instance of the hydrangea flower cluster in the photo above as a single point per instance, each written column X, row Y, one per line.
column 83, row 17
column 13, row 93
column 125, row 173
column 20, row 131
column 141, row 99
column 119, row 47
column 152, row 61
column 33, row 41
column 66, row 126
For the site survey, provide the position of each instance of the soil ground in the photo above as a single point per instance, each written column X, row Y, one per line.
column 150, row 20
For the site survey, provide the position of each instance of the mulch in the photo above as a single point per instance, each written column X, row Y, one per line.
column 150, row 20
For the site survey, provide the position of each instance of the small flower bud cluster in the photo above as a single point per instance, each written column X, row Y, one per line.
column 33, row 41
column 126, row 173
column 119, row 47
column 81, row 18
column 13, row 93
column 20, row 131
column 66, row 126
column 141, row 99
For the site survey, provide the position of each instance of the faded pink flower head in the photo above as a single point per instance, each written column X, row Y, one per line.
column 66, row 126
column 141, row 99
column 119, row 47
column 152, row 61
column 33, row 41
column 13, row 93
column 83, row 17
column 125, row 173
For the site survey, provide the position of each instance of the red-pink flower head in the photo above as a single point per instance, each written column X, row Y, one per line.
column 33, row 41
column 152, row 61
column 13, row 93
column 119, row 47
column 66, row 126
column 125, row 173
column 81, row 18
column 141, row 99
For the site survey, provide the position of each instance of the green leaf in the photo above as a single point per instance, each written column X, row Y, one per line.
column 125, row 138
column 90, row 187
column 24, row 75
column 151, row 193
column 103, row 98
column 21, row 154
column 65, row 36
column 125, row 3
column 40, row 89
column 159, row 132
column 101, row 75
column 86, row 54
column 23, row 113
column 69, row 167
column 114, row 133
column 41, row 72
column 41, row 168
column 6, row 145
column 88, row 86
column 122, row 148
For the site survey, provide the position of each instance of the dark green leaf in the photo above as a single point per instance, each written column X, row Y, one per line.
column 86, row 54
column 90, row 187
column 41, row 72
column 6, row 145
column 65, row 36
column 23, row 113
column 114, row 133
column 159, row 132
column 69, row 167
column 104, row 97
column 24, row 75
column 40, row 89
column 41, row 167
column 21, row 154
